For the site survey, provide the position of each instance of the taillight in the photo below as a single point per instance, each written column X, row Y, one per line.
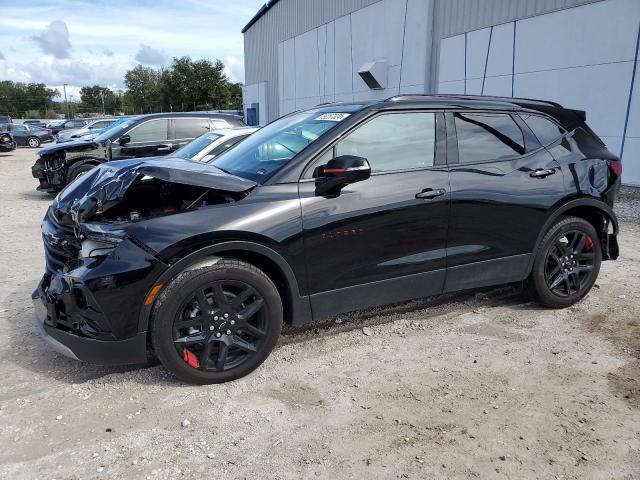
column 615, row 166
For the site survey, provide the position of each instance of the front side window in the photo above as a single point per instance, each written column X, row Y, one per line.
column 150, row 131
column 395, row 141
column 272, row 147
column 487, row 136
column 190, row 127
column 544, row 129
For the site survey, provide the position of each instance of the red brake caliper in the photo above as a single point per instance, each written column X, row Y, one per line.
column 588, row 244
column 190, row 358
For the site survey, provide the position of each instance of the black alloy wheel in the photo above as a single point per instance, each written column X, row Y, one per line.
column 221, row 326
column 569, row 263
column 217, row 322
column 566, row 264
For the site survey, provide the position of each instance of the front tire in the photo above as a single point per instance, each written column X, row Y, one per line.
column 566, row 264
column 77, row 171
column 216, row 323
column 33, row 142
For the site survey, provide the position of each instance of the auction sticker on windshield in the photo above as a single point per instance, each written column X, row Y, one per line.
column 333, row 117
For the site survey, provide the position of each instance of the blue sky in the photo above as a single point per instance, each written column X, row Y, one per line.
column 82, row 42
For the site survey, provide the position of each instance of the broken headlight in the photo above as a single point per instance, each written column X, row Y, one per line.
column 97, row 244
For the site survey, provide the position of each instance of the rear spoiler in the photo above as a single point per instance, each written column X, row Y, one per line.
column 568, row 118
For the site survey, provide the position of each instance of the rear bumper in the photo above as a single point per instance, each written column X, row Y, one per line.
column 104, row 352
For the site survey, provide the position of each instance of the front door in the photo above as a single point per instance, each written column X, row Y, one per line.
column 383, row 239
column 148, row 139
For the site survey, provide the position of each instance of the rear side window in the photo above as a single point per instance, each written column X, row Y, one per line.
column 150, row 131
column 544, row 129
column 487, row 136
column 190, row 127
column 395, row 141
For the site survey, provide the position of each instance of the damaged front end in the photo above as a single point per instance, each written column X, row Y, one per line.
column 52, row 166
column 97, row 274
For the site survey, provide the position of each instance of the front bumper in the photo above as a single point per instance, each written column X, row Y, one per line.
column 50, row 181
column 65, row 341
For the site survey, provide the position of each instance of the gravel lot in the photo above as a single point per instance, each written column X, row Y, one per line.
column 482, row 384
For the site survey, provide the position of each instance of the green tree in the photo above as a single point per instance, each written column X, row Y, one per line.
column 17, row 98
column 100, row 99
column 143, row 90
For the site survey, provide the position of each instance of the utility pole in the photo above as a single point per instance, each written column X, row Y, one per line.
column 64, row 87
column 102, row 95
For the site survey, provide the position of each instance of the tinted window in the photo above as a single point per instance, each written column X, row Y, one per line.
column 398, row 141
column 150, row 131
column 102, row 124
column 487, row 136
column 545, row 130
column 190, row 127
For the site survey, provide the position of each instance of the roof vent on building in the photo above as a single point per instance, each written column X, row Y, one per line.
column 374, row 74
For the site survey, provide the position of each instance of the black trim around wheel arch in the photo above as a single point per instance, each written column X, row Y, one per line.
column 565, row 207
column 300, row 305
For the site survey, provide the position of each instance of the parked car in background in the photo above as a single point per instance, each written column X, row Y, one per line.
column 27, row 136
column 7, row 143
column 35, row 123
column 57, row 126
column 151, row 135
column 210, row 145
column 336, row 208
column 5, row 119
column 91, row 134
column 73, row 133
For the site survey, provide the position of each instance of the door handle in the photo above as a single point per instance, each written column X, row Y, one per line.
column 542, row 172
column 428, row 193
column 164, row 148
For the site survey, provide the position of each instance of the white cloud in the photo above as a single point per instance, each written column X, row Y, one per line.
column 54, row 39
column 150, row 56
column 234, row 68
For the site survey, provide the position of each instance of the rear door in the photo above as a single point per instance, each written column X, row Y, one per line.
column 183, row 130
column 503, row 184
column 381, row 240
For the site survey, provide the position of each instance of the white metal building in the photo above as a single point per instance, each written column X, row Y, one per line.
column 580, row 53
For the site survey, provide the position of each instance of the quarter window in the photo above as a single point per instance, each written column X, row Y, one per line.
column 396, row 141
column 545, row 130
column 487, row 136
column 151, row 131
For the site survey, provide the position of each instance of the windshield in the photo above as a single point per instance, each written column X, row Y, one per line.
column 191, row 149
column 115, row 128
column 270, row 148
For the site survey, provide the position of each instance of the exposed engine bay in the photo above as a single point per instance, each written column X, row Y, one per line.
column 150, row 197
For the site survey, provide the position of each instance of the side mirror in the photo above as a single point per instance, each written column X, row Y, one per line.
column 341, row 171
column 124, row 140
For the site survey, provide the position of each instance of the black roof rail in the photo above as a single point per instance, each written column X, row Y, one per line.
column 472, row 97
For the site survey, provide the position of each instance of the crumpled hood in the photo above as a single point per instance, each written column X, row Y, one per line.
column 101, row 188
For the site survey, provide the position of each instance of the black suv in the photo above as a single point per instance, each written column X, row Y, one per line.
column 152, row 135
column 323, row 211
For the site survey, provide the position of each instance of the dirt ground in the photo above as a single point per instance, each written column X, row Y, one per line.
column 483, row 384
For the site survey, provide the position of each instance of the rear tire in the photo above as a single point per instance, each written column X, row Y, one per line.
column 197, row 342
column 566, row 264
column 33, row 142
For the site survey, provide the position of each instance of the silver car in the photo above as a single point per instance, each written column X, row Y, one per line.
column 75, row 133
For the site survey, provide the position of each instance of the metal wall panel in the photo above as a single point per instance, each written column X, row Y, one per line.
column 286, row 19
